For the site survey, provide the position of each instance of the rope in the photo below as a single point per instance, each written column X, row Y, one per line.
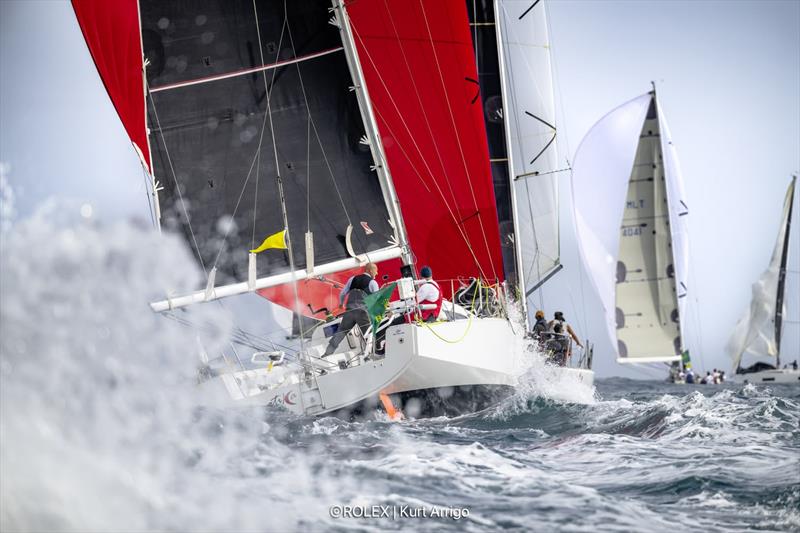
column 458, row 139
column 257, row 155
column 461, row 338
column 175, row 179
column 419, row 151
column 422, row 107
column 313, row 125
column 469, row 319
column 150, row 206
column 287, row 234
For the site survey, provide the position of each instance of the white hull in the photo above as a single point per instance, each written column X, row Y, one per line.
column 419, row 357
column 780, row 375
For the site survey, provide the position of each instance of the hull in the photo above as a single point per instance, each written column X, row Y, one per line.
column 444, row 368
column 780, row 375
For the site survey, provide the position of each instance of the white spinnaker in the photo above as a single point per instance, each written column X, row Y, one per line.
column 754, row 335
column 647, row 317
column 530, row 118
column 601, row 171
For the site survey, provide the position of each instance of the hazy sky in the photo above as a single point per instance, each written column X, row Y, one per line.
column 728, row 76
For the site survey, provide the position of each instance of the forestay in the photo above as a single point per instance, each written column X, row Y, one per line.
column 635, row 250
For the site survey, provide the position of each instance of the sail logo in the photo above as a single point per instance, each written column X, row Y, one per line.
column 635, row 204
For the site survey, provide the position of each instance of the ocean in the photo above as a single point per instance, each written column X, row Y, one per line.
column 102, row 427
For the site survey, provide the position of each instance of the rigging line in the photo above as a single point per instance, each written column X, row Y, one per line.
column 458, row 140
column 441, row 194
column 175, row 179
column 279, row 181
column 475, row 37
column 565, row 138
column 257, row 155
column 529, row 68
column 308, row 174
column 149, row 198
column 515, row 105
column 416, row 146
column 316, row 133
column 423, row 112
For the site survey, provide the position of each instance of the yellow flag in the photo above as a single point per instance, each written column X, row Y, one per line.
column 277, row 240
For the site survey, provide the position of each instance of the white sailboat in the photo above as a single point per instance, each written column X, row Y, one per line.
column 769, row 332
column 360, row 156
column 631, row 222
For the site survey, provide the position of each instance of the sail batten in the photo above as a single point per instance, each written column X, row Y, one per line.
column 529, row 115
column 245, row 72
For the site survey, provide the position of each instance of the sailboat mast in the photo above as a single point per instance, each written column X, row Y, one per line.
column 782, row 275
column 375, row 144
column 501, row 53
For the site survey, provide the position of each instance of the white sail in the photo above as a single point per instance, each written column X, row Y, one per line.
column 756, row 335
column 630, row 215
column 531, row 136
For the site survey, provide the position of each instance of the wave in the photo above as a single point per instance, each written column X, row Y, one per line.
column 101, row 429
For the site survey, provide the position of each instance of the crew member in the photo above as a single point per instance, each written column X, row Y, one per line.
column 558, row 346
column 429, row 293
column 354, row 291
column 540, row 327
column 364, row 282
column 558, row 318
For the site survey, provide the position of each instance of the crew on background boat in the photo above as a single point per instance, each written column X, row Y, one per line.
column 352, row 297
column 429, row 293
column 690, row 379
column 558, row 346
column 540, row 327
column 558, row 319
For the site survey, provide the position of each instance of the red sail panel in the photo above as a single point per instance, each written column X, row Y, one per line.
column 420, row 71
column 111, row 31
column 319, row 296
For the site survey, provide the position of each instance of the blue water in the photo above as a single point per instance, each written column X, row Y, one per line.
column 102, row 427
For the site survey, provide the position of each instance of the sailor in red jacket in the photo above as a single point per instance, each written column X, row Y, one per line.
column 428, row 293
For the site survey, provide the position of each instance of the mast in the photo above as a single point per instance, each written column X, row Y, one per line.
column 782, row 274
column 511, row 169
column 375, row 144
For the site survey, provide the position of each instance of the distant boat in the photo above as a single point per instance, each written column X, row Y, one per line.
column 759, row 339
column 631, row 212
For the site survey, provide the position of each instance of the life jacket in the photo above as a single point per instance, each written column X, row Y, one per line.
column 431, row 314
column 359, row 287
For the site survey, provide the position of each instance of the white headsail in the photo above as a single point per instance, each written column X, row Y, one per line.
column 758, row 333
column 531, row 137
column 630, row 218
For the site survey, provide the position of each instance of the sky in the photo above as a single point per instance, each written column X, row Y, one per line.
column 728, row 79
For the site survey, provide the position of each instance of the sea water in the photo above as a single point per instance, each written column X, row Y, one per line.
column 102, row 426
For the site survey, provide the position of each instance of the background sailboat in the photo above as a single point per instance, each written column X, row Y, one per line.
column 769, row 333
column 631, row 224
